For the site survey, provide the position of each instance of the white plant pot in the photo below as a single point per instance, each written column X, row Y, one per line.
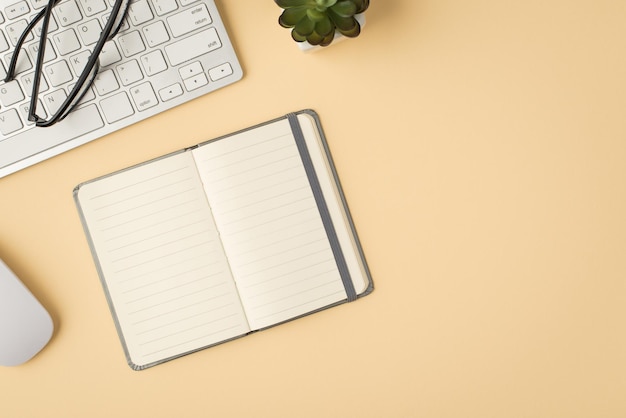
column 307, row 47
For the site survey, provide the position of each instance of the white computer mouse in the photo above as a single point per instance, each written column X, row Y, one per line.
column 25, row 325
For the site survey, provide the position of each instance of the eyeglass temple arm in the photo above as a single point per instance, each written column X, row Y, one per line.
column 31, row 25
column 38, row 65
column 11, row 70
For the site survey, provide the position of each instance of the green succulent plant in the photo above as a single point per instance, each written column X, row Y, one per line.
column 316, row 21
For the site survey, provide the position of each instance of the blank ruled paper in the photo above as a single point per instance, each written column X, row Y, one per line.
column 270, row 225
column 164, row 264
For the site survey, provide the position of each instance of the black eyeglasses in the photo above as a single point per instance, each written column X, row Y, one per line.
column 88, row 74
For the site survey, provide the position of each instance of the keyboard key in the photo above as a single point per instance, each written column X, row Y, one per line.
column 87, row 97
column 48, row 54
column 79, row 61
column 195, row 82
column 27, row 84
column 92, row 7
column 220, row 71
column 10, row 122
column 38, row 4
column 129, row 72
column 90, row 31
column 110, row 54
column 190, row 70
column 163, row 7
column 192, row 47
column 189, row 20
column 139, row 12
column 153, row 62
column 117, row 107
column 16, row 10
column 144, row 96
column 14, row 31
column 66, row 41
column 105, row 82
column 168, row 93
column 124, row 26
column 131, row 44
column 67, row 13
column 24, row 109
column 156, row 33
column 52, row 26
column 58, row 73
column 23, row 62
column 10, row 93
column 54, row 100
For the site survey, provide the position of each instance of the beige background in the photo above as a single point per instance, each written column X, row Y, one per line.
column 482, row 148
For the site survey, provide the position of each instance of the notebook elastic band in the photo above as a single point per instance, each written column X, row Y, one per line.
column 321, row 204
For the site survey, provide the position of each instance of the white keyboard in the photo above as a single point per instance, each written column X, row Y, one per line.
column 167, row 53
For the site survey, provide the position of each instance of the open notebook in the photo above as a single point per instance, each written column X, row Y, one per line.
column 222, row 239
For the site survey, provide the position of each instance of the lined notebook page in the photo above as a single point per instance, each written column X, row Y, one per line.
column 270, row 224
column 164, row 265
